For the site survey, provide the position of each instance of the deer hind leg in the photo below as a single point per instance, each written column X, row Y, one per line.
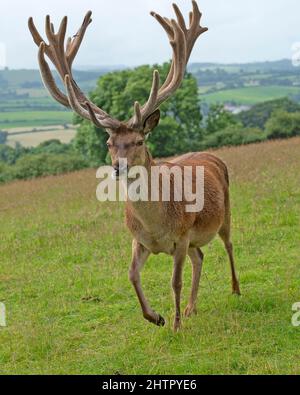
column 196, row 257
column 139, row 256
column 225, row 236
column 179, row 258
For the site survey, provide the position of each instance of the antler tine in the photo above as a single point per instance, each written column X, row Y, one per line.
column 179, row 63
column 167, row 26
column 195, row 29
column 49, row 28
column 180, row 18
column 48, row 79
column 73, row 100
column 154, row 92
column 74, row 44
column 37, row 38
column 62, row 32
column 90, row 113
column 137, row 120
column 101, row 122
column 62, row 58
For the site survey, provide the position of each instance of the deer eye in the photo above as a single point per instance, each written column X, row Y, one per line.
column 140, row 143
column 109, row 145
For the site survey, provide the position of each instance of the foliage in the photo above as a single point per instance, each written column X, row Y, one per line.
column 258, row 115
column 218, row 119
column 283, row 125
column 31, row 166
column 179, row 130
column 52, row 147
column 5, row 172
column 3, row 137
column 9, row 155
column 233, row 135
column 49, row 158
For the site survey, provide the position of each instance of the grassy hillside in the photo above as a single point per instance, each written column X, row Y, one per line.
column 70, row 307
column 250, row 95
column 10, row 120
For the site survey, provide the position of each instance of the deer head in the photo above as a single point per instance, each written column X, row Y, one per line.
column 126, row 138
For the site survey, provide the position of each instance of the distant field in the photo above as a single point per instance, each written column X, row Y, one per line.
column 71, row 309
column 250, row 95
column 16, row 119
column 36, row 138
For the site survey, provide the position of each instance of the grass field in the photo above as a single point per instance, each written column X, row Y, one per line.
column 70, row 307
column 250, row 95
column 17, row 119
column 34, row 139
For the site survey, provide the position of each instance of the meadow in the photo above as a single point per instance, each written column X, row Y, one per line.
column 40, row 135
column 16, row 119
column 71, row 309
column 249, row 95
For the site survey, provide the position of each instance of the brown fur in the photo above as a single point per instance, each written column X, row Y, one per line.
column 166, row 227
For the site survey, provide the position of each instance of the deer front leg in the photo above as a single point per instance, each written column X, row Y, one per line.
column 179, row 258
column 139, row 256
column 196, row 257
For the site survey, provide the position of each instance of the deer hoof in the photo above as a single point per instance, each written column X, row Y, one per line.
column 177, row 326
column 161, row 321
column 189, row 311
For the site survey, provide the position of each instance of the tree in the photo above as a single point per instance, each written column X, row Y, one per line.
column 233, row 135
column 259, row 114
column 283, row 124
column 179, row 130
column 3, row 137
column 218, row 119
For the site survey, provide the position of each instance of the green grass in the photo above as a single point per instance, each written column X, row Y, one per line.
column 250, row 95
column 71, row 309
column 17, row 119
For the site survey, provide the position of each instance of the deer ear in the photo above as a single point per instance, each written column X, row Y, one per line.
column 151, row 122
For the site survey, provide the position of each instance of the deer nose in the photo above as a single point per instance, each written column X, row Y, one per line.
column 120, row 170
column 117, row 170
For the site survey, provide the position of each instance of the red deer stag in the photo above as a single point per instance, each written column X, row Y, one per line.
column 157, row 226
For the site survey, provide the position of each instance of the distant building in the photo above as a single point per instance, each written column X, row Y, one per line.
column 252, row 83
column 235, row 109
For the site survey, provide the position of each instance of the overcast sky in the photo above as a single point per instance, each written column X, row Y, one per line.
column 123, row 32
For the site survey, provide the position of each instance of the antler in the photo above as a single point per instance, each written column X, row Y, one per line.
column 62, row 57
column 182, row 40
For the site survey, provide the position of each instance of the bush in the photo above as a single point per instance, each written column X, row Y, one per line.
column 5, row 173
column 3, row 137
column 259, row 114
column 283, row 124
column 218, row 119
column 31, row 166
column 233, row 135
column 53, row 147
column 49, row 158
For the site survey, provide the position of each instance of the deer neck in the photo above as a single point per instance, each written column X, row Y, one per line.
column 147, row 212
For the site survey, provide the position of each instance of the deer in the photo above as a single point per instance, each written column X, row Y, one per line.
column 156, row 226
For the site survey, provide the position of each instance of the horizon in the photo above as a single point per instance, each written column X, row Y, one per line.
column 91, row 68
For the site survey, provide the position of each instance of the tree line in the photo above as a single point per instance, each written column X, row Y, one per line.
column 182, row 127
